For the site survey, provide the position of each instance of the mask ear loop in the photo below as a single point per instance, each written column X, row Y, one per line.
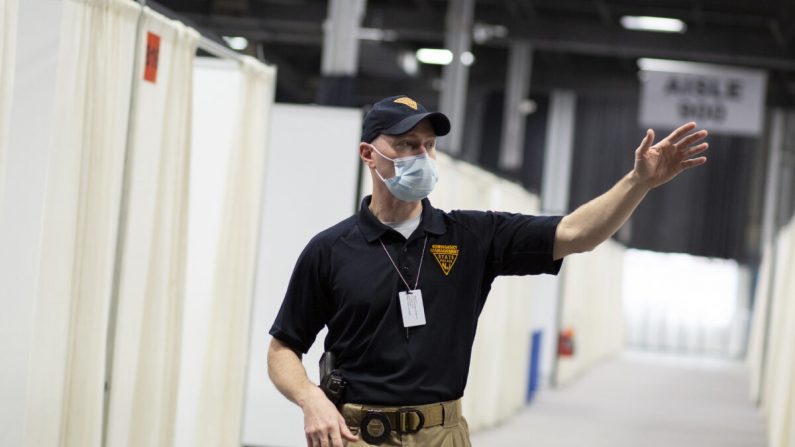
column 379, row 153
column 385, row 157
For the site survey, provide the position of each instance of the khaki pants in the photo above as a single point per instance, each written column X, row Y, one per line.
column 454, row 432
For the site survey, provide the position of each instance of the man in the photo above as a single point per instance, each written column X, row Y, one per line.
column 400, row 325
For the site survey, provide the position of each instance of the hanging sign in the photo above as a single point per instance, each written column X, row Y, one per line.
column 721, row 99
column 152, row 57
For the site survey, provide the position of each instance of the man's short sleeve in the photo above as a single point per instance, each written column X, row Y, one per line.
column 306, row 306
column 523, row 245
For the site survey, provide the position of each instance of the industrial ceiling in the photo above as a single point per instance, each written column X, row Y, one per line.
column 578, row 43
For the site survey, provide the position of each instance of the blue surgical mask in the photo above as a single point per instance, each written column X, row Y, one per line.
column 414, row 179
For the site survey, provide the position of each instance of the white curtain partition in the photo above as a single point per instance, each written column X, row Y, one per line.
column 221, row 396
column 8, row 34
column 592, row 308
column 498, row 375
column 67, row 357
column 756, row 338
column 774, row 294
column 145, row 370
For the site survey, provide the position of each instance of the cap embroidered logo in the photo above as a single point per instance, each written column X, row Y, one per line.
column 407, row 101
column 445, row 255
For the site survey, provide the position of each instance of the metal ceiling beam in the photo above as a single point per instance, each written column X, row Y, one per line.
column 340, row 60
column 517, row 89
column 229, row 6
column 271, row 30
column 455, row 75
column 760, row 50
column 727, row 16
column 724, row 47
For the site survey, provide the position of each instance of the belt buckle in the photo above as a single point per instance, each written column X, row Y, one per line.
column 401, row 420
column 380, row 425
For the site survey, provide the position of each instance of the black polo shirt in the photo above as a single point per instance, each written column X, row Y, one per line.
column 344, row 280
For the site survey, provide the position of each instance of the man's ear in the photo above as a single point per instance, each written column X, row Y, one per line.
column 366, row 153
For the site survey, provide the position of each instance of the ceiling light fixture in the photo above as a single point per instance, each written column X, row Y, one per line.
column 435, row 56
column 483, row 32
column 672, row 66
column 467, row 58
column 236, row 43
column 658, row 24
column 408, row 62
column 377, row 34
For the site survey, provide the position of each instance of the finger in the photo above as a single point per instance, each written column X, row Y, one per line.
column 346, row 432
column 323, row 440
column 692, row 139
column 695, row 150
column 336, row 440
column 309, row 440
column 693, row 162
column 647, row 141
column 680, row 132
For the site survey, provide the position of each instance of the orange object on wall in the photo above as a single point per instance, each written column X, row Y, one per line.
column 152, row 57
column 566, row 343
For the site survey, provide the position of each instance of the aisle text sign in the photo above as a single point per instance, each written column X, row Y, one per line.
column 724, row 100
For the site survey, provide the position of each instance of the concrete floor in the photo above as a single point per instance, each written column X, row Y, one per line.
column 640, row 400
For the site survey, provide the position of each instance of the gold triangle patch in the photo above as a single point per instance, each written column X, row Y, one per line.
column 445, row 255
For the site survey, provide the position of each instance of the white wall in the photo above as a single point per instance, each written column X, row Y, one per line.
column 697, row 307
column 310, row 184
column 21, row 214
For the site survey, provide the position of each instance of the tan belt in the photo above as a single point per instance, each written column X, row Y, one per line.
column 404, row 419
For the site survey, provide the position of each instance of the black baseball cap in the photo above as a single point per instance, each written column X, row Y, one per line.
column 399, row 114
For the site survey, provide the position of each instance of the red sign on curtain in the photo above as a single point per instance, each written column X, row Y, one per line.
column 152, row 56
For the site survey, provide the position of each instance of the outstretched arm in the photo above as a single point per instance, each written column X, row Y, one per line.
column 655, row 164
column 323, row 424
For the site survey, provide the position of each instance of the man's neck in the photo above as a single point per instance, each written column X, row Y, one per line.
column 386, row 208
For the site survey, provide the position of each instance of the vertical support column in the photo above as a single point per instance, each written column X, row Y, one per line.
column 558, row 152
column 458, row 37
column 555, row 188
column 340, row 51
column 517, row 89
column 786, row 203
column 773, row 177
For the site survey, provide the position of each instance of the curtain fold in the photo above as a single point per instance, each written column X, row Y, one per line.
column 75, row 271
column 593, row 308
column 8, row 37
column 756, row 339
column 777, row 369
column 148, row 333
column 221, row 399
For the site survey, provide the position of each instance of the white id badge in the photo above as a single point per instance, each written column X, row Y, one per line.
column 412, row 309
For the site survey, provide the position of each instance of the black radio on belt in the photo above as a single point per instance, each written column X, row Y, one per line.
column 331, row 382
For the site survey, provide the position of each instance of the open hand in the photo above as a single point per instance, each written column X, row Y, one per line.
column 656, row 164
